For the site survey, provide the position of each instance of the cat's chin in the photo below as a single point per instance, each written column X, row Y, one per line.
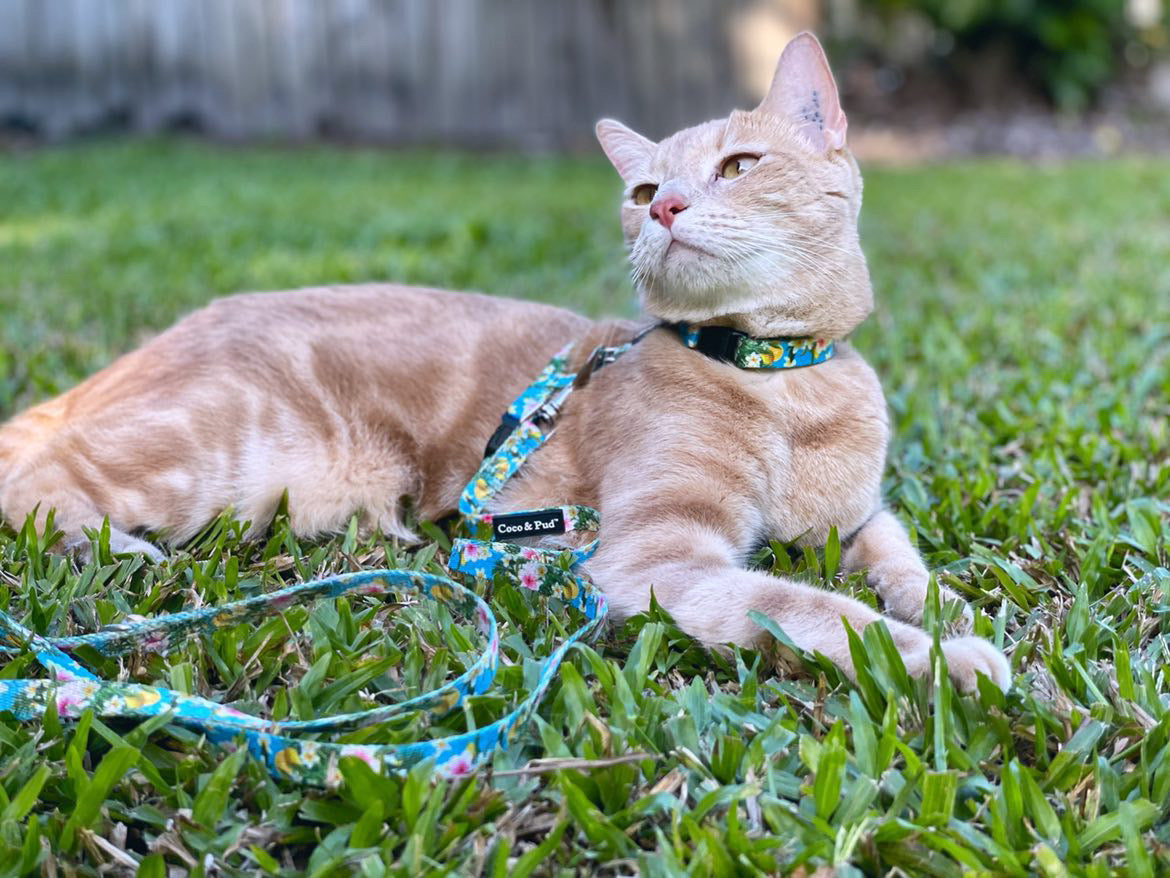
column 686, row 302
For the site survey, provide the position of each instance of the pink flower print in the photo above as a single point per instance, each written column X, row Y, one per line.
column 530, row 576
column 155, row 641
column 481, row 617
column 459, row 765
column 372, row 588
column 472, row 551
column 365, row 754
column 280, row 601
column 231, row 713
column 72, row 698
column 529, row 554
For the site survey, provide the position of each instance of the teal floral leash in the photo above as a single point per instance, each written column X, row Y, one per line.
column 538, row 572
column 73, row 689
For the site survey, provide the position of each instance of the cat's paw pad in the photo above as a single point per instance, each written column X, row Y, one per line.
column 902, row 588
column 967, row 657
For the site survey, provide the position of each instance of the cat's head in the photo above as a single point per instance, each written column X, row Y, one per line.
column 750, row 221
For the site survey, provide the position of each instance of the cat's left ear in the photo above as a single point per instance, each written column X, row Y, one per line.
column 628, row 150
column 804, row 90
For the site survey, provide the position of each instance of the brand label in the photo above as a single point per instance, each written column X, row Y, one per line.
column 528, row 524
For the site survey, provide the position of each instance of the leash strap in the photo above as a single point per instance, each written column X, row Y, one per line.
column 483, row 556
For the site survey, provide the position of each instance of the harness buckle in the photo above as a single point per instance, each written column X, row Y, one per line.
column 551, row 407
column 507, row 425
column 719, row 342
column 601, row 356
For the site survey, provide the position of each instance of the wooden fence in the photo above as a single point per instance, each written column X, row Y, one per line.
column 530, row 73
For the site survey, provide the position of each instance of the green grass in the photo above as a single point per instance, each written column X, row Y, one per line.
column 1022, row 333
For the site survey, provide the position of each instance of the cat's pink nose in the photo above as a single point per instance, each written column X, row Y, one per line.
column 666, row 208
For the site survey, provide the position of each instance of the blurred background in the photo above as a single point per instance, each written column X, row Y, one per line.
column 920, row 78
column 157, row 153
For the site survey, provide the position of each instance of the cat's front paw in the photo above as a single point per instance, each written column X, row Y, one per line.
column 967, row 657
column 902, row 588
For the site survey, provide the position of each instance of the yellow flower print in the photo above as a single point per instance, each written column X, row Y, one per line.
column 570, row 589
column 287, row 761
column 481, row 489
column 442, row 593
column 143, row 698
column 446, row 702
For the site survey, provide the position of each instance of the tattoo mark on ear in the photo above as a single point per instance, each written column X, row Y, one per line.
column 836, row 194
column 811, row 112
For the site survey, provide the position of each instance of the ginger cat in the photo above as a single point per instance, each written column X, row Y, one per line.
column 354, row 398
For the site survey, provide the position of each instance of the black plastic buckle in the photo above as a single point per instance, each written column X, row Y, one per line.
column 507, row 425
column 719, row 342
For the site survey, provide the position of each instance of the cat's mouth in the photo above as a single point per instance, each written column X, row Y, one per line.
column 677, row 244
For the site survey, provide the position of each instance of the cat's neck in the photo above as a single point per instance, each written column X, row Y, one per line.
column 775, row 323
column 840, row 302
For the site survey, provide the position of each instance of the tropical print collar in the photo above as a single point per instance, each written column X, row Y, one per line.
column 747, row 352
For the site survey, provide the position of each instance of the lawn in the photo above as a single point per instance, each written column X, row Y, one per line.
column 1023, row 336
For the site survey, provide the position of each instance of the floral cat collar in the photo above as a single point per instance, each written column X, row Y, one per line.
column 747, row 352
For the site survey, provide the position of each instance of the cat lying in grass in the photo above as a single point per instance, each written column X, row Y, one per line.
column 696, row 446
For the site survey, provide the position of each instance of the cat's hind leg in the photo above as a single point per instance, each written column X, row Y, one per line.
column 121, row 543
column 73, row 515
column 33, row 483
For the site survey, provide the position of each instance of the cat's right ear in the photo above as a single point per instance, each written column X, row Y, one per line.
column 628, row 150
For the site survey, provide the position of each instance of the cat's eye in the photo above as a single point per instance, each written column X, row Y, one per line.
column 644, row 194
column 736, row 165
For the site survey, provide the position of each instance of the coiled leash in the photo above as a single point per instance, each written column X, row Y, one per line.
column 488, row 554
